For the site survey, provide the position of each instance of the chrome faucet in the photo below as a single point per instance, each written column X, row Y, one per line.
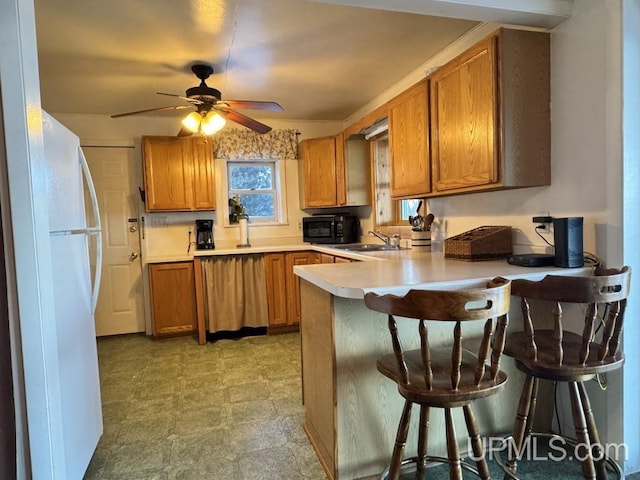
column 381, row 236
column 386, row 239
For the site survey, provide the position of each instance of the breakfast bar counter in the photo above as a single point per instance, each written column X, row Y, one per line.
column 352, row 411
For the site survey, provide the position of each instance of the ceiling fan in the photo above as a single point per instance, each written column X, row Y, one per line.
column 211, row 111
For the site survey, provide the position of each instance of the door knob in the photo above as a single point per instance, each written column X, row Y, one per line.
column 133, row 228
column 133, row 255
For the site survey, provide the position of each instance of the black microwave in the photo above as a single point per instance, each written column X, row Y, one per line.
column 331, row 229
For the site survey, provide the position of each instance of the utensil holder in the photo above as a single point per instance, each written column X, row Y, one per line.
column 421, row 240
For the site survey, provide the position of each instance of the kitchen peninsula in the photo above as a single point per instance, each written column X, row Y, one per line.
column 351, row 411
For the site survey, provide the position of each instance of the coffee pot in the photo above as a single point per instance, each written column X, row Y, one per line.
column 204, row 235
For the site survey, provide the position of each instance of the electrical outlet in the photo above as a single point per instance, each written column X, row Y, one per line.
column 544, row 222
column 159, row 221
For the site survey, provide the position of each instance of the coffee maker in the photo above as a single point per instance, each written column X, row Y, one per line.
column 204, row 235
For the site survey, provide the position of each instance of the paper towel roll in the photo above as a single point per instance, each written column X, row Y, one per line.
column 244, row 231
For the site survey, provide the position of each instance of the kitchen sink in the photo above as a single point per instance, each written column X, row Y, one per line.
column 366, row 247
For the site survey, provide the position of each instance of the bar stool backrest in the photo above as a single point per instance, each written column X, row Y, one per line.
column 490, row 304
column 605, row 296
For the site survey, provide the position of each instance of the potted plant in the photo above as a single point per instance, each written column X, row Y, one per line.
column 236, row 210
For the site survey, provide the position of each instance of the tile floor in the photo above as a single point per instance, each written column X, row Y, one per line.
column 228, row 410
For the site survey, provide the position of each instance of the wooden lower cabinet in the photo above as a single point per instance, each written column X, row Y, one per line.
column 173, row 298
column 275, row 273
column 328, row 258
column 293, row 282
column 343, row 260
column 283, row 295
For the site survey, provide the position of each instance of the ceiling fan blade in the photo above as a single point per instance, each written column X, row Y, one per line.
column 149, row 110
column 244, row 120
column 253, row 105
column 195, row 101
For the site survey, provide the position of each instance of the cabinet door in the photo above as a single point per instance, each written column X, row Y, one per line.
column 327, row 258
column 275, row 273
column 167, row 173
column 342, row 260
column 409, row 143
column 463, row 120
column 173, row 299
column 293, row 283
column 319, row 172
column 204, row 193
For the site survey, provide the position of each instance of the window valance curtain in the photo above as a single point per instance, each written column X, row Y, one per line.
column 247, row 144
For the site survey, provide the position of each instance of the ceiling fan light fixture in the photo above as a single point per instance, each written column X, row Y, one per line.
column 192, row 122
column 211, row 123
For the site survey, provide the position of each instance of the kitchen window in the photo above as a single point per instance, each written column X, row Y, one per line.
column 257, row 184
column 388, row 212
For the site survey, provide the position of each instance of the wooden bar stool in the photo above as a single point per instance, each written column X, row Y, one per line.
column 445, row 377
column 560, row 355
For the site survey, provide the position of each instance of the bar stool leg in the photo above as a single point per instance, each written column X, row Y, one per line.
column 401, row 441
column 476, row 444
column 522, row 423
column 455, row 469
column 582, row 434
column 423, row 440
column 532, row 408
column 596, row 446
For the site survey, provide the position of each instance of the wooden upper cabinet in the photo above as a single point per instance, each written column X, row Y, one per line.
column 204, row 192
column 178, row 173
column 335, row 172
column 318, row 157
column 409, row 143
column 490, row 115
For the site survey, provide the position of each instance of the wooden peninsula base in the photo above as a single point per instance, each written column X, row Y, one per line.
column 351, row 410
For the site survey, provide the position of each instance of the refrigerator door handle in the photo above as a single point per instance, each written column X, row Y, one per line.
column 96, row 229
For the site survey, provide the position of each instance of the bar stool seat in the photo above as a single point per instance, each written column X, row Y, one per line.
column 445, row 377
column 561, row 355
column 440, row 395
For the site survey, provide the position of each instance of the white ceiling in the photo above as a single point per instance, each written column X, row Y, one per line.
column 320, row 61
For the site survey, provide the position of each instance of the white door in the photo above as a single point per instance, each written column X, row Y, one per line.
column 115, row 171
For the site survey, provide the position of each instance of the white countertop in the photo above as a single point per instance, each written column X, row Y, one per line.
column 415, row 270
column 271, row 245
column 394, row 271
column 230, row 248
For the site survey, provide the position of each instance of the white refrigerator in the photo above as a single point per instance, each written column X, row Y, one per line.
column 75, row 293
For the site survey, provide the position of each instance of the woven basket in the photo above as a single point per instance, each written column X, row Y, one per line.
column 482, row 243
